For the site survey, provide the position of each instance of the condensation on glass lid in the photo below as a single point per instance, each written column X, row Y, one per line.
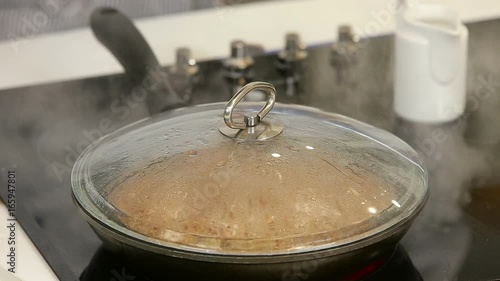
column 270, row 197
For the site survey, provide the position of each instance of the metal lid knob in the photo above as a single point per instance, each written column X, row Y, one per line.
column 253, row 125
column 250, row 120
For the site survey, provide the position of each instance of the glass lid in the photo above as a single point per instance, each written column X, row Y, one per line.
column 210, row 179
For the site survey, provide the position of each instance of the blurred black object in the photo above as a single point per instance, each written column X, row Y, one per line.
column 109, row 266
column 119, row 35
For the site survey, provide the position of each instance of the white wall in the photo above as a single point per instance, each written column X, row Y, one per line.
column 76, row 54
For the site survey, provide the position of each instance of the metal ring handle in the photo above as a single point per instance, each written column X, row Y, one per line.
column 271, row 99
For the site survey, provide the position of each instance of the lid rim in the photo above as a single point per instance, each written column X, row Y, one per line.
column 80, row 190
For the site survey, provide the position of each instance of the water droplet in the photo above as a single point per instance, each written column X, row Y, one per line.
column 396, row 203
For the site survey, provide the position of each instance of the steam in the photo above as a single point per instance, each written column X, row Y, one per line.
column 44, row 130
column 439, row 240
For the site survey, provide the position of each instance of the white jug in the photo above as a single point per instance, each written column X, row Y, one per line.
column 431, row 64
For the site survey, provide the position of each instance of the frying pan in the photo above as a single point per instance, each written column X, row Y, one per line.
column 159, row 259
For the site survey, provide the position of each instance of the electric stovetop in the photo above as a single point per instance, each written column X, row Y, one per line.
column 457, row 237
